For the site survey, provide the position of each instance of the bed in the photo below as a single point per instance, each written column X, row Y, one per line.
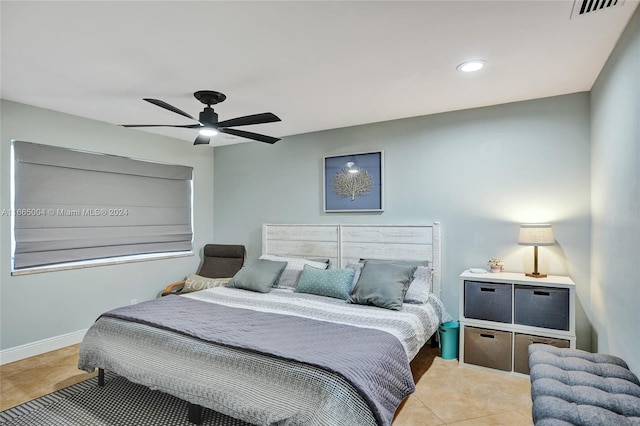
column 284, row 356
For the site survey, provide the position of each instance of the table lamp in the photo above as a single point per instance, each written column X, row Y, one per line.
column 536, row 234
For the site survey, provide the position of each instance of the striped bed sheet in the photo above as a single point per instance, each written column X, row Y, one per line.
column 254, row 387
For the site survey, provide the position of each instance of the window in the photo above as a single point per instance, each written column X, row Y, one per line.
column 73, row 206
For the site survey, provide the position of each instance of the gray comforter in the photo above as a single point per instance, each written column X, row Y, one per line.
column 373, row 361
column 252, row 386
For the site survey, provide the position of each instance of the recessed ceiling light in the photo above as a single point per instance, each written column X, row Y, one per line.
column 471, row 66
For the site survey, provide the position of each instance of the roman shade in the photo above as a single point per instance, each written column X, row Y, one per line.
column 75, row 206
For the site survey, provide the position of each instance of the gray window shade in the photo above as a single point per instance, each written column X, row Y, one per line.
column 74, row 206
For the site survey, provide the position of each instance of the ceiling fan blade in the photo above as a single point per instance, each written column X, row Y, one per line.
column 250, row 135
column 185, row 126
column 163, row 104
column 202, row 140
column 265, row 117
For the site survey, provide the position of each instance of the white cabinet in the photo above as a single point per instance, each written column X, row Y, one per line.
column 503, row 313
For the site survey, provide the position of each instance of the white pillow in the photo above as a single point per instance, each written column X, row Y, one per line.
column 291, row 274
column 420, row 286
column 196, row 282
column 358, row 268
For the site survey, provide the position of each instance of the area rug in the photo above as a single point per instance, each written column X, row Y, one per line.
column 118, row 403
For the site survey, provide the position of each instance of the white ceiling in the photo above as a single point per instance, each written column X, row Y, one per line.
column 317, row 65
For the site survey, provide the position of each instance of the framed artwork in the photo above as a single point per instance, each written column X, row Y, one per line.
column 354, row 182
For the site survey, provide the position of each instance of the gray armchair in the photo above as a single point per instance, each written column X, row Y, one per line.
column 219, row 261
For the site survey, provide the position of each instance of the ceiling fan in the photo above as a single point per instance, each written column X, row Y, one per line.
column 208, row 120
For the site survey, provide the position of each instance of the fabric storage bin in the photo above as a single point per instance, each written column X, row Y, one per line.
column 542, row 307
column 487, row 348
column 487, row 301
column 521, row 349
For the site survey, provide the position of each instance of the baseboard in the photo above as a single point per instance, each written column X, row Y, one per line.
column 41, row 346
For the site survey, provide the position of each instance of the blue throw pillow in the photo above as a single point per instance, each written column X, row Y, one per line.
column 383, row 285
column 257, row 275
column 326, row 282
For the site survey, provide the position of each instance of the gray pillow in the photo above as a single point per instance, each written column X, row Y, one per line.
column 421, row 282
column 291, row 274
column 257, row 275
column 382, row 284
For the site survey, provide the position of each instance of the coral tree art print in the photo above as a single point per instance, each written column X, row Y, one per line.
column 353, row 182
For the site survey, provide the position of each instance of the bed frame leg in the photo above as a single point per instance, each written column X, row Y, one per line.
column 100, row 377
column 434, row 340
column 195, row 413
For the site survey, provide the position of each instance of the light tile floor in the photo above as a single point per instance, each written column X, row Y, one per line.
column 24, row 380
column 446, row 394
column 449, row 394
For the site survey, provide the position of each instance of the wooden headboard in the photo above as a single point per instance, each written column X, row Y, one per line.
column 350, row 243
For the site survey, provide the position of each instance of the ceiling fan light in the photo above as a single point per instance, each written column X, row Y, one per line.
column 208, row 124
column 471, row 66
column 208, row 131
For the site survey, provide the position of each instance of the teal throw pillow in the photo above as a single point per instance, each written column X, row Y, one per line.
column 257, row 275
column 383, row 285
column 326, row 282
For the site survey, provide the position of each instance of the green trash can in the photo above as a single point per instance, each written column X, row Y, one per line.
column 449, row 339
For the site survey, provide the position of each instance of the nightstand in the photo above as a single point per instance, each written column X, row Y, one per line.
column 503, row 313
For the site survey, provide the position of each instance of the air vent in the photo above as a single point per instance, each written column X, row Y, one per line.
column 588, row 7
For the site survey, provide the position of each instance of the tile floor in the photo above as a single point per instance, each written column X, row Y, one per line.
column 30, row 378
column 446, row 394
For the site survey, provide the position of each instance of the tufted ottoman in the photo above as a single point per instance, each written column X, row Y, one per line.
column 574, row 387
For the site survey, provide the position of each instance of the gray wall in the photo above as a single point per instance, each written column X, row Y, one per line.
column 615, row 133
column 571, row 160
column 45, row 305
column 480, row 172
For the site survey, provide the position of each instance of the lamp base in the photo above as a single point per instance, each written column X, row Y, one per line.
column 536, row 275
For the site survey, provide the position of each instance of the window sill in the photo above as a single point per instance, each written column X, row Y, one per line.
column 101, row 262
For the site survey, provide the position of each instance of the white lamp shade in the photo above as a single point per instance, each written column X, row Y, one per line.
column 536, row 234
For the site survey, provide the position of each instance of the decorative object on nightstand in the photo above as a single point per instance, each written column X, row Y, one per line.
column 536, row 234
column 496, row 264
